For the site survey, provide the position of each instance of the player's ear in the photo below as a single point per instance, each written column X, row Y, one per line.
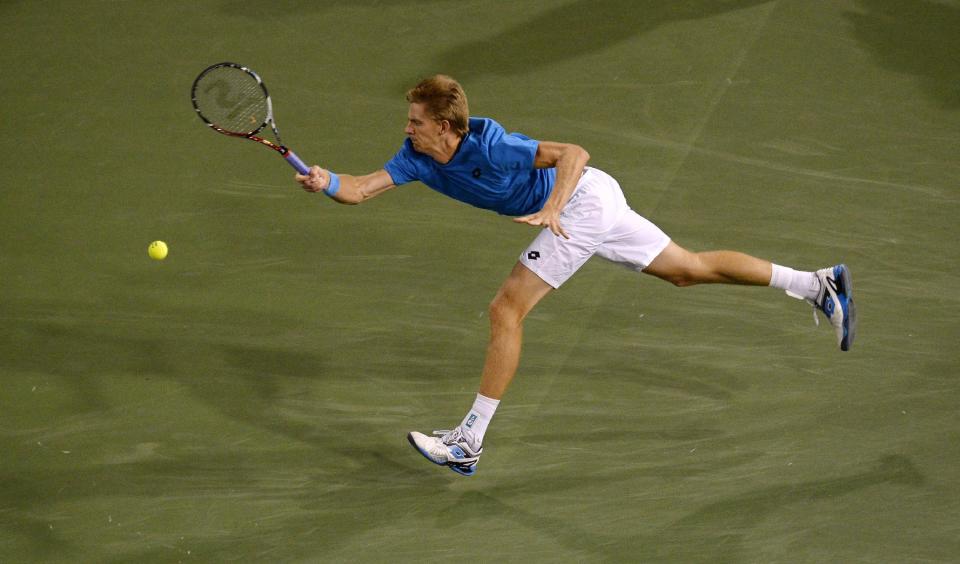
column 444, row 126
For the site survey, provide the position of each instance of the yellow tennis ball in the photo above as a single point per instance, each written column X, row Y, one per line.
column 157, row 250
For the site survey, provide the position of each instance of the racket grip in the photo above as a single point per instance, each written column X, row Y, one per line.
column 295, row 162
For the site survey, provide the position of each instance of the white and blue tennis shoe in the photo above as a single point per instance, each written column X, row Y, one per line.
column 835, row 301
column 447, row 448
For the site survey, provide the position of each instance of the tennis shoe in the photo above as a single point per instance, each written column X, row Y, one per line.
column 835, row 302
column 448, row 448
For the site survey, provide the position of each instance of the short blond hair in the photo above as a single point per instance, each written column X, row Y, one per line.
column 444, row 99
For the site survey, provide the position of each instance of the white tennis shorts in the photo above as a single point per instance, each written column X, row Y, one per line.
column 598, row 221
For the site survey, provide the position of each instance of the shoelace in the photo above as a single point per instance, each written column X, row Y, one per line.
column 816, row 318
column 455, row 436
column 449, row 435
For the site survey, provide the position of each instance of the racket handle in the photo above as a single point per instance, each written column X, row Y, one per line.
column 295, row 162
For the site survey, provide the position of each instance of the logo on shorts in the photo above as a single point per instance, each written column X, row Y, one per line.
column 533, row 255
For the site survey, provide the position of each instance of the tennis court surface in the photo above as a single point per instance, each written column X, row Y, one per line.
column 247, row 399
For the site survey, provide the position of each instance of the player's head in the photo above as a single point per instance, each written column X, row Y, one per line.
column 444, row 100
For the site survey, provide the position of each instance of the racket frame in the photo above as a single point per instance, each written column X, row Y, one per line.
column 279, row 147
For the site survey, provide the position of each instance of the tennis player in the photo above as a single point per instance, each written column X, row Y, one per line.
column 582, row 211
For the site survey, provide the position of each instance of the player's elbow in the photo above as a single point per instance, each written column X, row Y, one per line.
column 363, row 188
column 578, row 154
column 350, row 198
column 352, row 191
column 345, row 196
column 582, row 153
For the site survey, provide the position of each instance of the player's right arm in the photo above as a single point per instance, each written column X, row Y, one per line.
column 353, row 189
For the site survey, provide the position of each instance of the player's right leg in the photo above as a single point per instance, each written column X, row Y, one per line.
column 517, row 296
column 546, row 264
column 448, row 448
column 460, row 448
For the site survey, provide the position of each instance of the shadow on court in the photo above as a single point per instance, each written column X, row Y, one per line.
column 270, row 10
column 571, row 30
column 160, row 481
column 270, row 389
column 920, row 38
column 244, row 383
column 714, row 533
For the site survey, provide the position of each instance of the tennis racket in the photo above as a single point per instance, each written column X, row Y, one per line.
column 233, row 100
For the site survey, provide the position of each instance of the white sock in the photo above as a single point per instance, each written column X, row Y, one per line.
column 795, row 282
column 474, row 425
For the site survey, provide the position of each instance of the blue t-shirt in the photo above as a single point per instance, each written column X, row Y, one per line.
column 492, row 170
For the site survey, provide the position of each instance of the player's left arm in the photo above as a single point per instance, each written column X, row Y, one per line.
column 569, row 160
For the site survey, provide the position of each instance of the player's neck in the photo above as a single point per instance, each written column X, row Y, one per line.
column 447, row 148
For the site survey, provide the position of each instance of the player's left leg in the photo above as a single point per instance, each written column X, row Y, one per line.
column 830, row 289
column 684, row 268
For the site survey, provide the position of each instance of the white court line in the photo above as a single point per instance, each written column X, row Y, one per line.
column 594, row 298
column 721, row 91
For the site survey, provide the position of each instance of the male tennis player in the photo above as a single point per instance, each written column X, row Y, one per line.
column 583, row 213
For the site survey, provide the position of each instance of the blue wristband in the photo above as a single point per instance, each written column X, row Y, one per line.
column 334, row 186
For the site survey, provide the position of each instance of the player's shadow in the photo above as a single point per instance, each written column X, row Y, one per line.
column 920, row 38
column 571, row 30
column 246, row 383
column 715, row 533
column 270, row 10
column 269, row 387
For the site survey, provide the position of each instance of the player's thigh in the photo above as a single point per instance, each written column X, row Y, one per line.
column 519, row 293
column 555, row 259
column 674, row 264
column 593, row 211
column 635, row 242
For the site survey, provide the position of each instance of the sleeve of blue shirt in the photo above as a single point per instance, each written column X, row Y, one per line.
column 402, row 168
column 511, row 151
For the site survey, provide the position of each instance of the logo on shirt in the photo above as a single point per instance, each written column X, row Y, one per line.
column 533, row 255
column 476, row 172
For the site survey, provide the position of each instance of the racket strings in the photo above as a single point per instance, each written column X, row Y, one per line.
column 232, row 100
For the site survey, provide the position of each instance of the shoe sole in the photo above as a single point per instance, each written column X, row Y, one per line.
column 850, row 313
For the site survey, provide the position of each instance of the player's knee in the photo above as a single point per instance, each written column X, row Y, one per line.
column 680, row 279
column 688, row 275
column 504, row 313
column 678, row 266
column 693, row 271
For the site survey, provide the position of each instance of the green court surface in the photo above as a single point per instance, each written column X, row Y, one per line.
column 247, row 399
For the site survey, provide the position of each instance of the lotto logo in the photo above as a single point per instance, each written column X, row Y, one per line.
column 533, row 255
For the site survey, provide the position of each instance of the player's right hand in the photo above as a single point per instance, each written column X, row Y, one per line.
column 317, row 181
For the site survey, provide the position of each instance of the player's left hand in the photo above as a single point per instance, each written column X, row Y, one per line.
column 547, row 218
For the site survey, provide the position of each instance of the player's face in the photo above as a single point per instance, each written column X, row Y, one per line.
column 422, row 129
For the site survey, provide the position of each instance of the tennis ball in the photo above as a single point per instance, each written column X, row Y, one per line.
column 157, row 250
